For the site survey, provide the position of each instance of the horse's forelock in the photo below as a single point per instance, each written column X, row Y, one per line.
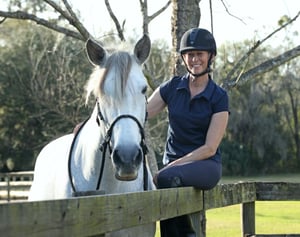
column 120, row 62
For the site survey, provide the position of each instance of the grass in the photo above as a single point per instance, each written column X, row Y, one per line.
column 272, row 217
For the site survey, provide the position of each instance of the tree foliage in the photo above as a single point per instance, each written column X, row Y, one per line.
column 262, row 131
column 42, row 78
column 44, row 72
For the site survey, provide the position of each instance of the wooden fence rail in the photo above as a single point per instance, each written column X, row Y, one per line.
column 278, row 191
column 96, row 215
column 15, row 185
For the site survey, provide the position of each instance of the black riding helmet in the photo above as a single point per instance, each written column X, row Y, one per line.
column 198, row 39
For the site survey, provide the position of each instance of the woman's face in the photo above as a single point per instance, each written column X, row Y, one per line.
column 196, row 60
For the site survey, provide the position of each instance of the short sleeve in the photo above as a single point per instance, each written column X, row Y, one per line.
column 164, row 90
column 221, row 101
column 167, row 88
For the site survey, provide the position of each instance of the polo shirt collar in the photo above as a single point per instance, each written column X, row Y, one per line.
column 207, row 93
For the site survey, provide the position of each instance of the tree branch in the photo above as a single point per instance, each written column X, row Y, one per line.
column 146, row 18
column 57, row 8
column 240, row 63
column 211, row 17
column 230, row 13
column 264, row 67
column 155, row 14
column 115, row 20
column 76, row 22
column 70, row 16
column 144, row 10
column 20, row 15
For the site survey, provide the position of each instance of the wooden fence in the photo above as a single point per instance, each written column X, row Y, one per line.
column 96, row 215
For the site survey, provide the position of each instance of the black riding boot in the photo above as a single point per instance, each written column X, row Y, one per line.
column 168, row 228
column 180, row 226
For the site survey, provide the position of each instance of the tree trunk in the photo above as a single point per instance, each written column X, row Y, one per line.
column 186, row 15
column 151, row 158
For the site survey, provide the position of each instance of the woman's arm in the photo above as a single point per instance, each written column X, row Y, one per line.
column 155, row 103
column 214, row 137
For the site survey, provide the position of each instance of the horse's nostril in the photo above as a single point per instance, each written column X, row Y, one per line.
column 116, row 156
column 126, row 162
column 127, row 156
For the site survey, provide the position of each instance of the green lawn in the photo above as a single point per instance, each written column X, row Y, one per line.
column 276, row 217
column 271, row 218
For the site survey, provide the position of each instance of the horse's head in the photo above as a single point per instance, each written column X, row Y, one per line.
column 120, row 86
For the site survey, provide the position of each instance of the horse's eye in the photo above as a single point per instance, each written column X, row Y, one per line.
column 144, row 90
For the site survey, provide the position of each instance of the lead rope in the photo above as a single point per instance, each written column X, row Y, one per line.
column 103, row 148
column 70, row 155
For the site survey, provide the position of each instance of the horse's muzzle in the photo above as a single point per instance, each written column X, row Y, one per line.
column 126, row 177
column 127, row 163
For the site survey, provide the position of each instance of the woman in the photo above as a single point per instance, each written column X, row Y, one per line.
column 198, row 116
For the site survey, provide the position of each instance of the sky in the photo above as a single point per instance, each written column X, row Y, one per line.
column 247, row 19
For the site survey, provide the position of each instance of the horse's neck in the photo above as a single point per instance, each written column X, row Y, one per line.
column 91, row 134
column 86, row 154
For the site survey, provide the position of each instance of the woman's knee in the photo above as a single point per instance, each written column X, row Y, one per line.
column 167, row 179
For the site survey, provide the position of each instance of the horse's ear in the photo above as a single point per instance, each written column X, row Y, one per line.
column 96, row 53
column 142, row 49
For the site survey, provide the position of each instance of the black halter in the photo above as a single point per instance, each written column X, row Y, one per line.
column 106, row 143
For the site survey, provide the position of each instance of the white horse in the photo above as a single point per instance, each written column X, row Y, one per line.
column 78, row 163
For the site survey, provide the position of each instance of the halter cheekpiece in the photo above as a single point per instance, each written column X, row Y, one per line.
column 106, row 143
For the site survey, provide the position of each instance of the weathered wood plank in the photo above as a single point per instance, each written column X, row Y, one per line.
column 248, row 218
column 278, row 191
column 94, row 215
column 229, row 194
column 88, row 216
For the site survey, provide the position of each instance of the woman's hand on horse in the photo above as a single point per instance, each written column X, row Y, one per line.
column 77, row 127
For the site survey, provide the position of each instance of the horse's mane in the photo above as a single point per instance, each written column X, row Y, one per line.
column 119, row 63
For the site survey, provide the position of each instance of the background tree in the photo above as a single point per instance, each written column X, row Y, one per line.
column 289, row 106
column 40, row 91
column 40, row 85
column 186, row 15
column 261, row 128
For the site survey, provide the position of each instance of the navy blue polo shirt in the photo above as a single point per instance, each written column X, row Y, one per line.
column 189, row 118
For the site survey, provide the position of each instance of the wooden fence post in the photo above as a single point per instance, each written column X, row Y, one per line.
column 199, row 220
column 202, row 223
column 199, row 223
column 248, row 219
column 7, row 177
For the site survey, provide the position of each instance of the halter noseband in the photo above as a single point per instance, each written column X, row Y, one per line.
column 105, row 144
column 107, row 138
